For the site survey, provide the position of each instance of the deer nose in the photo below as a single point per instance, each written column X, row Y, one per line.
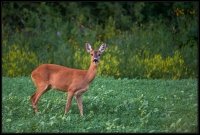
column 95, row 60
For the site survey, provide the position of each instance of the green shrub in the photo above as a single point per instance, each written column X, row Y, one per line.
column 140, row 40
column 159, row 67
column 18, row 61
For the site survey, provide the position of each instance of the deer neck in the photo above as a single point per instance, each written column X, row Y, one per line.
column 91, row 73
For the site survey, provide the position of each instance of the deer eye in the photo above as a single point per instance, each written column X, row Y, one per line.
column 99, row 54
column 91, row 54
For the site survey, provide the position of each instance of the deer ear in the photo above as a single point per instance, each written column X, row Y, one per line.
column 102, row 48
column 88, row 47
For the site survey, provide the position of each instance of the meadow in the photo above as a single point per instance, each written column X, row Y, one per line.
column 151, row 56
column 110, row 105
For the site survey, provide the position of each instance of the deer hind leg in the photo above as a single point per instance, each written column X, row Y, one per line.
column 42, row 88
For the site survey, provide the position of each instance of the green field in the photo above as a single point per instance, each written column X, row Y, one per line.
column 110, row 105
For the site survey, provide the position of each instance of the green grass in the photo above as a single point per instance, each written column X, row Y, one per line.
column 110, row 105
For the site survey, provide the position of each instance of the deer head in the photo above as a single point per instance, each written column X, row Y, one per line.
column 95, row 54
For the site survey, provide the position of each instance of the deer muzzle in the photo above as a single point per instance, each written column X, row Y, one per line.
column 95, row 60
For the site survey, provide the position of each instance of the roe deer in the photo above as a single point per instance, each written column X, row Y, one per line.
column 73, row 81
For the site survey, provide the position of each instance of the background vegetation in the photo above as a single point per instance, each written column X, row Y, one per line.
column 145, row 39
column 110, row 105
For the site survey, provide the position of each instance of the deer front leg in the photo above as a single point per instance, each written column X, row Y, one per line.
column 80, row 103
column 69, row 101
